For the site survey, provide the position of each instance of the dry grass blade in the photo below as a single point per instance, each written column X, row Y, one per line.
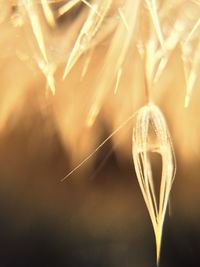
column 48, row 71
column 88, row 32
column 115, row 56
column 87, row 63
column 91, row 7
column 193, row 75
column 124, row 20
column 44, row 64
column 119, row 74
column 48, row 13
column 151, row 135
column 70, row 4
column 67, row 6
column 195, row 27
column 36, row 26
column 154, row 15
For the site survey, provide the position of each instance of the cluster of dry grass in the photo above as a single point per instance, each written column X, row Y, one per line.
column 104, row 59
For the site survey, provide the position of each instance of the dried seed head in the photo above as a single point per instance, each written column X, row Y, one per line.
column 151, row 135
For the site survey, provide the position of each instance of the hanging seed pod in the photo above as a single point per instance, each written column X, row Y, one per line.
column 151, row 136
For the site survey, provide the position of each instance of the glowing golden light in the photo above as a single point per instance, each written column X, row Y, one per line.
column 150, row 119
column 98, row 58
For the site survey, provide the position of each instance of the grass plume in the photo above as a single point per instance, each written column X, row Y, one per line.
column 150, row 118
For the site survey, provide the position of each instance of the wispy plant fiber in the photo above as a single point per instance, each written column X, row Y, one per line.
column 151, row 135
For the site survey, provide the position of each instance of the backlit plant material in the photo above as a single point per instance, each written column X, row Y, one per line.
column 92, row 55
column 151, row 135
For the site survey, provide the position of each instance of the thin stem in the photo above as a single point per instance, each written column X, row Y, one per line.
column 95, row 151
column 146, row 82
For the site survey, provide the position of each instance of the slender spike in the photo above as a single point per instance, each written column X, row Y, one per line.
column 48, row 71
column 124, row 20
column 154, row 15
column 94, row 111
column 88, row 31
column 48, row 13
column 117, row 52
column 190, row 85
column 119, row 74
column 81, row 43
column 193, row 75
column 67, row 6
column 163, row 63
column 158, row 237
column 91, row 7
column 150, row 59
column 87, row 63
column 51, row 82
column 36, row 27
column 196, row 26
column 35, row 23
column 186, row 55
column 71, row 4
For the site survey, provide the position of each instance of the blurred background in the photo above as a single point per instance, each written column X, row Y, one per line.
column 97, row 216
